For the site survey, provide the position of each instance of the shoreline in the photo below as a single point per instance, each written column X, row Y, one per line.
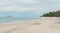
column 13, row 22
column 43, row 25
column 9, row 26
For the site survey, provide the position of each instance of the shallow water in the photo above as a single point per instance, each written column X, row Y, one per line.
column 13, row 19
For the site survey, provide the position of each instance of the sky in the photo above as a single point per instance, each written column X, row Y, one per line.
column 27, row 8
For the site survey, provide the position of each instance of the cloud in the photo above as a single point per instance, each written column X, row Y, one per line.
column 24, row 5
column 7, row 8
column 28, row 1
column 55, row 0
column 13, row 9
column 17, row 2
column 16, row 5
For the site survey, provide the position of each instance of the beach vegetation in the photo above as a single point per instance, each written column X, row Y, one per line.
column 52, row 14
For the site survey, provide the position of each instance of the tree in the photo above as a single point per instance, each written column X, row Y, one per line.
column 52, row 14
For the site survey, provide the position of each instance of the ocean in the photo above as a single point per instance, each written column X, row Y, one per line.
column 13, row 19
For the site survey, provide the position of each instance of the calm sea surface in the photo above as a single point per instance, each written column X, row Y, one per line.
column 12, row 19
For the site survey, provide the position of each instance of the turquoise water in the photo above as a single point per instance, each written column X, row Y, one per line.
column 12, row 19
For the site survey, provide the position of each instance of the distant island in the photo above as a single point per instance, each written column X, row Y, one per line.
column 52, row 14
column 9, row 16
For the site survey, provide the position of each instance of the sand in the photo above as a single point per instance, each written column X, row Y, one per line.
column 43, row 25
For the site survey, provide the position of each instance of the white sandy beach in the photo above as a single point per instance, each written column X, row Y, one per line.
column 43, row 25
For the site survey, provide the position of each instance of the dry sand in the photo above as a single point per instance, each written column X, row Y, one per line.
column 43, row 25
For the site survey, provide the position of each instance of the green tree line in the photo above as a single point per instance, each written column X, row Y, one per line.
column 52, row 14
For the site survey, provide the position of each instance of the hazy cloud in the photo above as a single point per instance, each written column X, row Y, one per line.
column 23, row 5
